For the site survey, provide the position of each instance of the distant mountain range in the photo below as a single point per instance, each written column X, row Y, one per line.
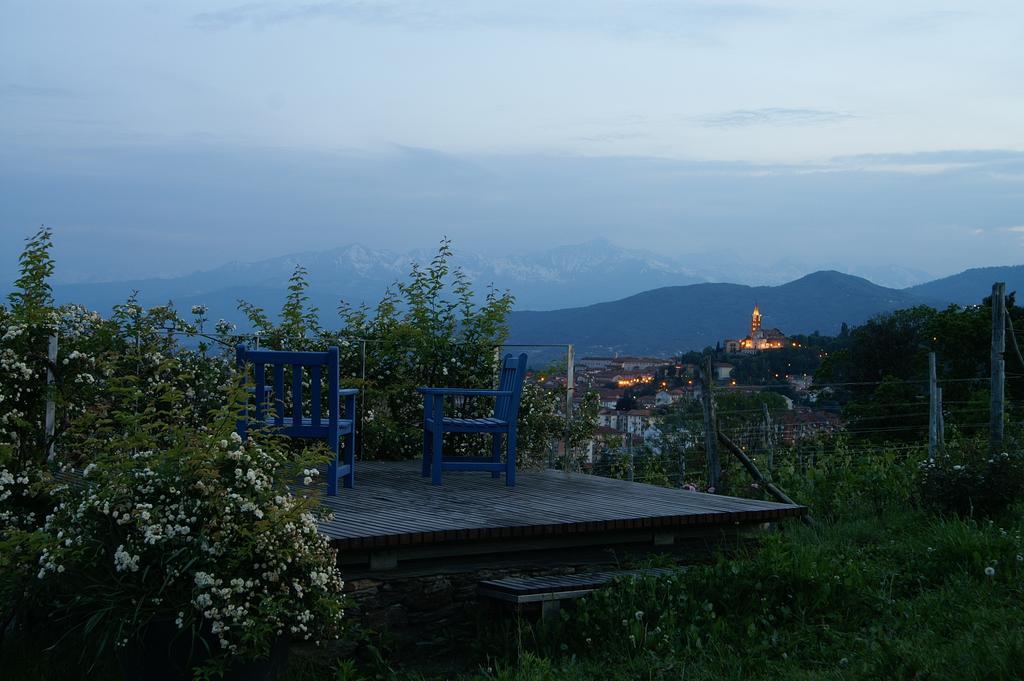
column 658, row 304
column 970, row 286
column 562, row 276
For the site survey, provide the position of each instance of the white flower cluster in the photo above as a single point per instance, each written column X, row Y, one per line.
column 74, row 321
column 14, row 486
column 124, row 561
column 245, row 550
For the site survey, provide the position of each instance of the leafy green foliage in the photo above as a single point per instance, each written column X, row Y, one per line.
column 970, row 486
column 425, row 331
column 881, row 379
column 837, row 480
column 32, row 300
column 166, row 491
column 546, row 439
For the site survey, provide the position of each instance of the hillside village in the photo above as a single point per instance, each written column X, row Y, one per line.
column 640, row 399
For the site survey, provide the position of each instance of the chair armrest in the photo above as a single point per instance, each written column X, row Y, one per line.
column 345, row 392
column 464, row 392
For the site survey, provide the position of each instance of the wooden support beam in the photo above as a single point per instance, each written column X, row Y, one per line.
column 769, row 440
column 941, row 422
column 933, row 401
column 710, row 424
column 51, row 404
column 755, row 472
column 998, row 368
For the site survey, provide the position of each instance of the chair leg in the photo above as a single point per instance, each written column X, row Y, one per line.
column 332, row 468
column 427, row 439
column 496, row 452
column 510, row 462
column 350, row 459
column 438, row 439
column 435, row 456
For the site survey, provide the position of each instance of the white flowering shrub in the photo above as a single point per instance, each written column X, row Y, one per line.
column 140, row 376
column 204, row 532
column 26, row 324
column 175, row 519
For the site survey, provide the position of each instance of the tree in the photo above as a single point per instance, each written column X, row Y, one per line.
column 627, row 401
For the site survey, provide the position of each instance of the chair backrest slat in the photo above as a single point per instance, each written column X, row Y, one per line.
column 314, row 394
column 297, row 393
column 260, row 371
column 333, row 407
column 279, row 392
column 506, row 408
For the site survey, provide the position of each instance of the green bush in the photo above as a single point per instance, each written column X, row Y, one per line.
column 91, row 565
column 969, row 487
column 847, row 481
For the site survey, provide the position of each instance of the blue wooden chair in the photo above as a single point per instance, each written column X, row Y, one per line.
column 502, row 425
column 313, row 426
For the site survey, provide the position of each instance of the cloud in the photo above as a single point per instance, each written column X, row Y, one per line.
column 266, row 14
column 184, row 207
column 1004, row 165
column 745, row 118
column 931, row 20
column 941, row 157
column 18, row 90
column 612, row 136
column 632, row 20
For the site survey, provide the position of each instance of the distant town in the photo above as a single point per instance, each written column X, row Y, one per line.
column 640, row 399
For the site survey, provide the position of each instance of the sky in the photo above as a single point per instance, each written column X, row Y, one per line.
column 158, row 138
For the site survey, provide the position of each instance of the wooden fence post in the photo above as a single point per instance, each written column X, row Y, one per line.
column 570, row 395
column 631, row 472
column 933, row 421
column 51, row 405
column 769, row 441
column 998, row 367
column 710, row 425
column 941, row 420
column 361, row 397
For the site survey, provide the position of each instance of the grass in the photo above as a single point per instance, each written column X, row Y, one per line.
column 879, row 590
column 898, row 595
column 901, row 596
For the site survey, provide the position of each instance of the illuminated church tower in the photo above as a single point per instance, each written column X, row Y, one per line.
column 759, row 338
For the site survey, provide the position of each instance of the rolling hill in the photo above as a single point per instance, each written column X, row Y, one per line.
column 970, row 286
column 678, row 318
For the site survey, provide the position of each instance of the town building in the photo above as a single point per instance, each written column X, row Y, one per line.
column 723, row 370
column 759, row 339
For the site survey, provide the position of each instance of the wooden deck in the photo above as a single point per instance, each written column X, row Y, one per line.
column 393, row 507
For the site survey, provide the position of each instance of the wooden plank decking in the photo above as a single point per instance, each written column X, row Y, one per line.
column 393, row 506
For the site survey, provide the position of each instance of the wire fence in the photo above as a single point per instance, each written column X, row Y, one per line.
column 667, row 447
column 670, row 448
